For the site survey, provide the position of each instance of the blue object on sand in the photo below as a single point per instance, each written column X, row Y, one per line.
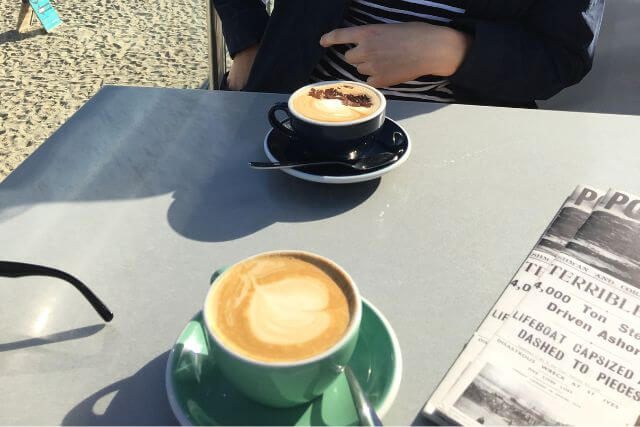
column 46, row 14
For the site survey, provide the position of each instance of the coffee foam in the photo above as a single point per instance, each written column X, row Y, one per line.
column 280, row 309
column 335, row 110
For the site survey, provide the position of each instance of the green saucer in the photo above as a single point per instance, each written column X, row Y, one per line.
column 200, row 395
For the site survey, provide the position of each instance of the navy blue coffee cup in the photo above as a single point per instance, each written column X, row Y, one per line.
column 328, row 139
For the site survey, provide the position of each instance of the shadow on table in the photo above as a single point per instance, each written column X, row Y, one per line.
column 130, row 143
column 421, row 420
column 72, row 334
column 217, row 211
column 400, row 110
column 140, row 399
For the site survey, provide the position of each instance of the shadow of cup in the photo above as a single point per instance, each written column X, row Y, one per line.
column 140, row 399
column 228, row 206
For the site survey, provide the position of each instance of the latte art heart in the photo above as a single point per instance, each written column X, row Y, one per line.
column 286, row 313
column 280, row 308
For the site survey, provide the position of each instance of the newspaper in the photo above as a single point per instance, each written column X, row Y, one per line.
column 569, row 218
column 569, row 354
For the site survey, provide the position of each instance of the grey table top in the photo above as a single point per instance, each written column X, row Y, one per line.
column 144, row 192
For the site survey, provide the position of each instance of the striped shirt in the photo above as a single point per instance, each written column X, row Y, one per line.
column 333, row 65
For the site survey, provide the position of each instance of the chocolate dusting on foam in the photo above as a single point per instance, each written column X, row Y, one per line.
column 349, row 99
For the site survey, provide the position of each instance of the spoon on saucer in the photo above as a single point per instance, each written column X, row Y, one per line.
column 366, row 414
column 362, row 163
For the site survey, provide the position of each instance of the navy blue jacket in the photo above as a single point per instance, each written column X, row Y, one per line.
column 522, row 50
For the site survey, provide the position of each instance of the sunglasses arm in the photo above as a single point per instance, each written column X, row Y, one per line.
column 19, row 269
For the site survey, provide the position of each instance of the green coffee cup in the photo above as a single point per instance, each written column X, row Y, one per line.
column 282, row 383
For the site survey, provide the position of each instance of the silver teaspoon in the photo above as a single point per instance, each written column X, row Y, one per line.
column 366, row 414
column 361, row 163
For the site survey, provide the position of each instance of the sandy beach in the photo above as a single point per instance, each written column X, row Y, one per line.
column 44, row 78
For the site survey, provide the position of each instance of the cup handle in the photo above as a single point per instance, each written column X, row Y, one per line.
column 277, row 124
column 215, row 274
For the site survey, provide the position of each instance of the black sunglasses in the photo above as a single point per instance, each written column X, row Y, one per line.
column 19, row 269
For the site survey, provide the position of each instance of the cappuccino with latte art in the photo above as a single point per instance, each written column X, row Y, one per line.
column 331, row 120
column 281, row 307
column 281, row 323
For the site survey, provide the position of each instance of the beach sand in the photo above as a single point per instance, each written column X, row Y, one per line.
column 44, row 78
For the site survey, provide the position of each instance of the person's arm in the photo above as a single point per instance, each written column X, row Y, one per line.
column 243, row 23
column 549, row 48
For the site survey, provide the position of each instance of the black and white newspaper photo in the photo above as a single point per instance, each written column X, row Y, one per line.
column 574, row 340
column 569, row 218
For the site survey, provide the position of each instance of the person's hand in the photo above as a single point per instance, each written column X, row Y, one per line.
column 396, row 53
column 241, row 67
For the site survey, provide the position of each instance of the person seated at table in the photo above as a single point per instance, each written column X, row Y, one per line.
column 491, row 52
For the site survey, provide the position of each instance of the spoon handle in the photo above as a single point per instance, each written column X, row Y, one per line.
column 366, row 413
column 285, row 165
